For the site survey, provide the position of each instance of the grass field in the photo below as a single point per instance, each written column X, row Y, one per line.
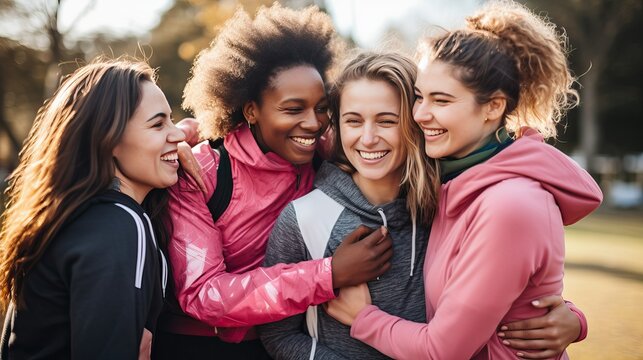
column 604, row 277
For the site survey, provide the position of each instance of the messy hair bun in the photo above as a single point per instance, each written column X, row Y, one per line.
column 507, row 47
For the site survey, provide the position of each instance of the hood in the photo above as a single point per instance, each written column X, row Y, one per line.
column 242, row 145
column 575, row 191
column 109, row 196
column 394, row 216
column 340, row 187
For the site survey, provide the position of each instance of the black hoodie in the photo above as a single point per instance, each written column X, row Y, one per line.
column 98, row 284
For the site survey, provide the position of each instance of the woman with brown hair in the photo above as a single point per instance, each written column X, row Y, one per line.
column 485, row 97
column 81, row 272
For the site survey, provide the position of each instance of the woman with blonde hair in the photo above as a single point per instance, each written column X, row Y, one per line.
column 81, row 272
column 486, row 96
column 379, row 176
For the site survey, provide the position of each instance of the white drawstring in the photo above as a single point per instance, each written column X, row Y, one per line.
column 413, row 247
column 381, row 212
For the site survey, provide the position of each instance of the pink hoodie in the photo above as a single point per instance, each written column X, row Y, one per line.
column 497, row 243
column 216, row 266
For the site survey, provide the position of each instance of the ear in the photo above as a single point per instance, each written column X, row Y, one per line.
column 496, row 106
column 250, row 112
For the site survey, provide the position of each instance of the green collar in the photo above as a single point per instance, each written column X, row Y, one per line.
column 450, row 168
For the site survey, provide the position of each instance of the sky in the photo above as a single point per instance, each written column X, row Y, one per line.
column 365, row 20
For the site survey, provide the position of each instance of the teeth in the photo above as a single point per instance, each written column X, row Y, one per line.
column 372, row 155
column 431, row 132
column 304, row 141
column 170, row 157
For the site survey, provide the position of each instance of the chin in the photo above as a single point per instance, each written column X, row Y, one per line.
column 300, row 160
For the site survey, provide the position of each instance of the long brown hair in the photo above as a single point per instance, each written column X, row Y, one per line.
column 420, row 180
column 66, row 160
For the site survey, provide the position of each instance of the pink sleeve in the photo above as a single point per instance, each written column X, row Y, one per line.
column 581, row 318
column 206, row 291
column 503, row 247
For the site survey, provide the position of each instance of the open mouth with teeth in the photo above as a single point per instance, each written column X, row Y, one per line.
column 373, row 155
column 171, row 157
column 433, row 132
column 305, row 141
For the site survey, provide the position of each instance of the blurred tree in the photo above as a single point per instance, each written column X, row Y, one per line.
column 31, row 73
column 596, row 29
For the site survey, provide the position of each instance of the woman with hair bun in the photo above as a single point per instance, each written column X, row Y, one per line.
column 486, row 96
column 260, row 86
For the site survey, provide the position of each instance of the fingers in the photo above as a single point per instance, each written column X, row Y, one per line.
column 537, row 344
column 529, row 324
column 384, row 268
column 374, row 238
column 544, row 354
column 358, row 234
column 524, row 334
column 189, row 126
column 548, row 301
column 190, row 165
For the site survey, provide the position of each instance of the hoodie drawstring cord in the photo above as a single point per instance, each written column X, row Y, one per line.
column 413, row 246
column 381, row 212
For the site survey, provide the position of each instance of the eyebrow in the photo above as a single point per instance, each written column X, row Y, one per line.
column 161, row 114
column 440, row 93
column 297, row 100
column 378, row 114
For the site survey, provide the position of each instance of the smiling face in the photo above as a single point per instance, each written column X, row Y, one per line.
column 369, row 127
column 454, row 124
column 291, row 115
column 146, row 156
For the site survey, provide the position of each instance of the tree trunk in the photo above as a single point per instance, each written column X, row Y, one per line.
column 6, row 128
column 589, row 129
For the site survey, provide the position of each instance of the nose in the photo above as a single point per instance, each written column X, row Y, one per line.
column 311, row 121
column 175, row 135
column 421, row 113
column 369, row 135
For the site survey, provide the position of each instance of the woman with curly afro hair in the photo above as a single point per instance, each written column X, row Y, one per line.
column 260, row 87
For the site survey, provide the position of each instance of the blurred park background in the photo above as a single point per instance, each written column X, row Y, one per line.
column 42, row 40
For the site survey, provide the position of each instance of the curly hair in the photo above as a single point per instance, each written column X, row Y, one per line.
column 507, row 47
column 247, row 54
column 420, row 180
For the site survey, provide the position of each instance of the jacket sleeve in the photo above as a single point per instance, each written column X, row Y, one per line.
column 206, row 291
column 581, row 318
column 505, row 238
column 107, row 312
column 286, row 339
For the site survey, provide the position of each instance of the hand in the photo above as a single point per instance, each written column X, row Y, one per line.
column 145, row 349
column 547, row 335
column 190, row 165
column 190, row 128
column 356, row 261
column 349, row 303
column 325, row 144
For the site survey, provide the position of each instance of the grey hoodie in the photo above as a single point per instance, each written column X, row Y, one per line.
column 399, row 292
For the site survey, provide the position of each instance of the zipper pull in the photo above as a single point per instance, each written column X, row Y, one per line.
column 298, row 181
